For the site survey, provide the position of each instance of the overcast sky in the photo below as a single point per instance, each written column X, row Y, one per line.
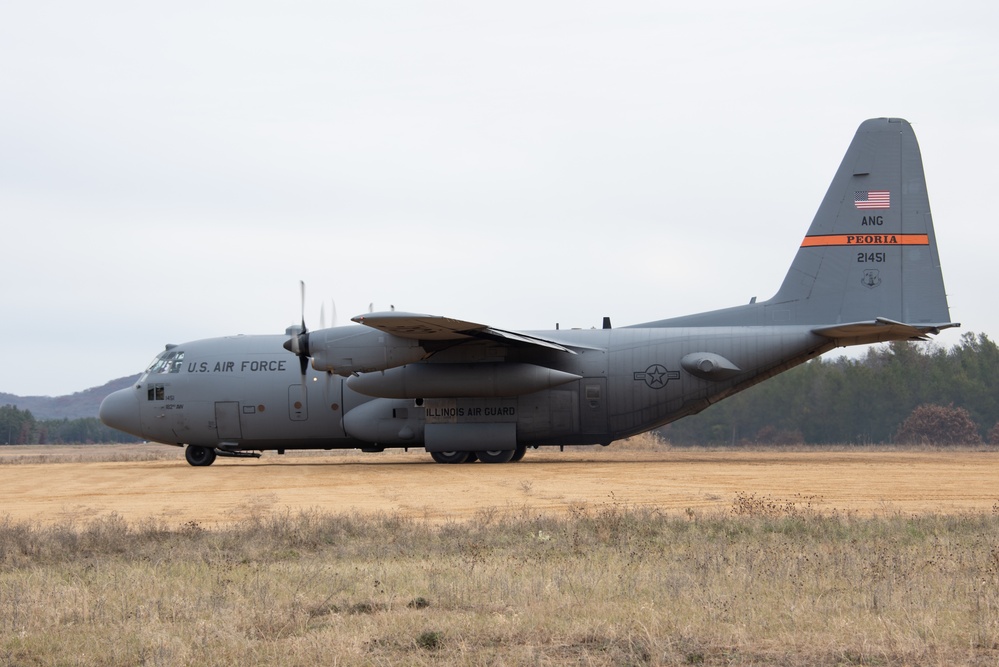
column 170, row 171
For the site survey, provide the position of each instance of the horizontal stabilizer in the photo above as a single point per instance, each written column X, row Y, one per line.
column 880, row 330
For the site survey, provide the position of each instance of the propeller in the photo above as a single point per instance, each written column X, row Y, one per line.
column 299, row 344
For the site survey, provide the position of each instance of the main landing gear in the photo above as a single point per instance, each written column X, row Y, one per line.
column 497, row 456
column 200, row 456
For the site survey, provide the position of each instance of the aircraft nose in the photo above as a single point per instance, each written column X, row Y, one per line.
column 120, row 410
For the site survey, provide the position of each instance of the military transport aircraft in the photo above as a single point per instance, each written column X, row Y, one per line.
column 867, row 271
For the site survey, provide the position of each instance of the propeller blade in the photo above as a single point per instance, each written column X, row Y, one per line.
column 304, row 328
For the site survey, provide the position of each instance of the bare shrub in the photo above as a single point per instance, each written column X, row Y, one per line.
column 651, row 441
column 938, row 425
column 771, row 435
column 993, row 438
column 751, row 505
column 430, row 640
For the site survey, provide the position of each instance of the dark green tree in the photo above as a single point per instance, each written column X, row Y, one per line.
column 17, row 427
column 863, row 400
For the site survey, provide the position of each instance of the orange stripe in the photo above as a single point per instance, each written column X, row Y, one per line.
column 865, row 239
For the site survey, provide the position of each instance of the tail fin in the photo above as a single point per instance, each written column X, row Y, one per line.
column 868, row 266
column 871, row 251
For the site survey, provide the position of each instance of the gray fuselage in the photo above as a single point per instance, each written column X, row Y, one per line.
column 246, row 392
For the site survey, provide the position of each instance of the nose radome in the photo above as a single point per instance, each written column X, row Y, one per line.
column 120, row 411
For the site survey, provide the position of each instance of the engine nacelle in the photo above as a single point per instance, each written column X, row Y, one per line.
column 482, row 380
column 348, row 350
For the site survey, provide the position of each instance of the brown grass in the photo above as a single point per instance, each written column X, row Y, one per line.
column 53, row 484
column 768, row 581
column 642, row 555
column 35, row 454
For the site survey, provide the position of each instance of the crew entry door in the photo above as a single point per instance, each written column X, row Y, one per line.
column 227, row 420
column 593, row 405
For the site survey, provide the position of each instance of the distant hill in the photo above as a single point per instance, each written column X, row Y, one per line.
column 82, row 404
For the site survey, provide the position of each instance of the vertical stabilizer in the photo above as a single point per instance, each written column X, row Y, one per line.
column 869, row 258
column 871, row 251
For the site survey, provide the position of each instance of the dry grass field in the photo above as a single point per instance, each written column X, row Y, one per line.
column 50, row 484
column 638, row 555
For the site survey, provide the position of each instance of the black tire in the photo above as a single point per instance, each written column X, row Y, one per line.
column 472, row 457
column 199, row 456
column 518, row 453
column 497, row 456
column 449, row 457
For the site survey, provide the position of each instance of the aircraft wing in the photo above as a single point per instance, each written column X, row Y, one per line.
column 436, row 327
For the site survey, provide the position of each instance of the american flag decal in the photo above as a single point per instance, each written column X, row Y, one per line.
column 872, row 199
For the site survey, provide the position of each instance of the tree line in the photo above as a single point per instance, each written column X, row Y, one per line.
column 859, row 401
column 19, row 427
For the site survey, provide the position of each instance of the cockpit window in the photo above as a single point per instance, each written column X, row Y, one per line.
column 169, row 361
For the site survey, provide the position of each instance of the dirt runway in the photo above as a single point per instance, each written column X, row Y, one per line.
column 64, row 486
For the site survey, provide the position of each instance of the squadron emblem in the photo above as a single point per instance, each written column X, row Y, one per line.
column 871, row 279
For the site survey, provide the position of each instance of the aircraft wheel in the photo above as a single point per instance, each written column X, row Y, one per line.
column 449, row 457
column 518, row 453
column 497, row 456
column 200, row 456
column 472, row 457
